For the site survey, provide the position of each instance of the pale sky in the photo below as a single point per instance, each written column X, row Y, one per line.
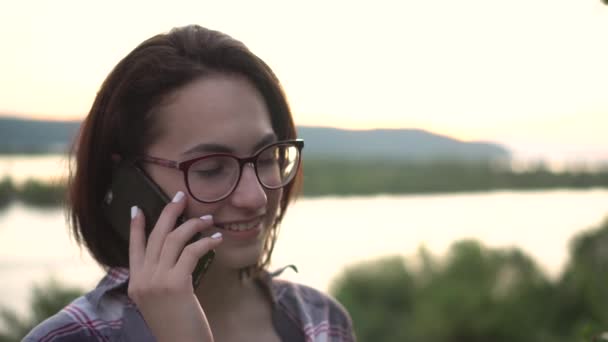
column 529, row 74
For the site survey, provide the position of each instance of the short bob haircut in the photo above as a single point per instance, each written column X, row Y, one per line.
column 122, row 121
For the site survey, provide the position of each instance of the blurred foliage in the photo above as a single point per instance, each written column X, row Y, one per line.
column 584, row 283
column 476, row 293
column 33, row 193
column 7, row 192
column 46, row 300
column 42, row 194
column 363, row 177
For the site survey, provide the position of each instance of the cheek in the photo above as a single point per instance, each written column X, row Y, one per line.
column 274, row 201
column 198, row 209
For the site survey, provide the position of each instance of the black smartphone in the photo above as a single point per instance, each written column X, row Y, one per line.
column 132, row 186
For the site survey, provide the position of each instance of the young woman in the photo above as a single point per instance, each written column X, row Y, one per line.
column 208, row 123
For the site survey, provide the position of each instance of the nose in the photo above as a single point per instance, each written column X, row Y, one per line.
column 249, row 193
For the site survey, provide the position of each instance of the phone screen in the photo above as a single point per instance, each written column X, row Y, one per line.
column 132, row 186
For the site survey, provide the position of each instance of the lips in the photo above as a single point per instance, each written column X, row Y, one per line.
column 242, row 228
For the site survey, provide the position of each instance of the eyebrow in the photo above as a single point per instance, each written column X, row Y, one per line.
column 219, row 148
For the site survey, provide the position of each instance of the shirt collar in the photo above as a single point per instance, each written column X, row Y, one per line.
column 115, row 279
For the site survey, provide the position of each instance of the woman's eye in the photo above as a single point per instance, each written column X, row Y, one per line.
column 210, row 172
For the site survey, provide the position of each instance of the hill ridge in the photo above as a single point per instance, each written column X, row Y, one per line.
column 19, row 135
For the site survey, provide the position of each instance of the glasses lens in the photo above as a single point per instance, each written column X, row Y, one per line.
column 277, row 165
column 212, row 178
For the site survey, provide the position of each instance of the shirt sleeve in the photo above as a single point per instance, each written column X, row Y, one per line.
column 61, row 327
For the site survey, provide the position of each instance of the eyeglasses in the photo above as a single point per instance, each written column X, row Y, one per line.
column 214, row 177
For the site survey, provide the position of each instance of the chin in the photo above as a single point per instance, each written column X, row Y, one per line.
column 238, row 257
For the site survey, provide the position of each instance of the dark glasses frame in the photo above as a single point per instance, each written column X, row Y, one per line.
column 185, row 165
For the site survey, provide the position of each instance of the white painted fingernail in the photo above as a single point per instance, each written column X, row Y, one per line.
column 178, row 197
column 134, row 211
column 206, row 217
column 216, row 235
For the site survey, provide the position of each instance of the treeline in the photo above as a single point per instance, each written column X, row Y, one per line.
column 477, row 293
column 32, row 192
column 363, row 177
column 371, row 177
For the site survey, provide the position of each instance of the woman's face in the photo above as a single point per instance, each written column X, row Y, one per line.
column 219, row 113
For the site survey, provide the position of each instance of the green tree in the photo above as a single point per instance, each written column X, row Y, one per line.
column 379, row 297
column 479, row 294
column 7, row 191
column 41, row 194
column 583, row 289
column 473, row 294
column 46, row 300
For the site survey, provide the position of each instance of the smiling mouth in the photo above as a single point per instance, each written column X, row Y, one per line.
column 240, row 226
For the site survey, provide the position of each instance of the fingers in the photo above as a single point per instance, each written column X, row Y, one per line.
column 165, row 224
column 164, row 250
column 137, row 239
column 194, row 251
column 179, row 237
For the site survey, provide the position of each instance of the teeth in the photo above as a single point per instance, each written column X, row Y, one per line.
column 239, row 227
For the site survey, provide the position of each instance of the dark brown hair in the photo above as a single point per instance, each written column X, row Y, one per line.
column 122, row 120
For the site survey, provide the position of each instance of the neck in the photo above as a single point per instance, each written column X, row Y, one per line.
column 236, row 308
column 221, row 290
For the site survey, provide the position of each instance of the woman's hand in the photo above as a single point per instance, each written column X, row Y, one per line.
column 161, row 273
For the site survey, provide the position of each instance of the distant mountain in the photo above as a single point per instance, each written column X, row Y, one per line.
column 27, row 136
column 406, row 144
column 35, row 136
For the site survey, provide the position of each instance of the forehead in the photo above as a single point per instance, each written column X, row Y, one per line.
column 218, row 109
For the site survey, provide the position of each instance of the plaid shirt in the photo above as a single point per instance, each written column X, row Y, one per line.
column 299, row 313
